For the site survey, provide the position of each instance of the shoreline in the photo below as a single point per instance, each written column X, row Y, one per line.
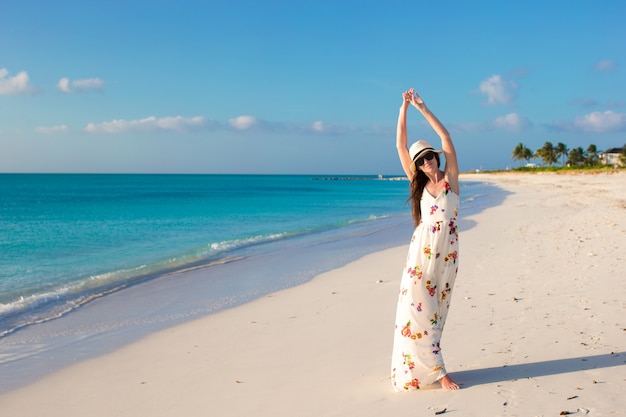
column 168, row 299
column 119, row 318
column 323, row 347
column 69, row 306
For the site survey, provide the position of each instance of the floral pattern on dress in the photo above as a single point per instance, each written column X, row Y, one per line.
column 425, row 291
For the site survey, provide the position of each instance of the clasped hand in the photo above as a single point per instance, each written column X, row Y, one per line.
column 413, row 98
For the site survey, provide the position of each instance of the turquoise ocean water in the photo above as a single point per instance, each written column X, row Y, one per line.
column 66, row 239
column 89, row 262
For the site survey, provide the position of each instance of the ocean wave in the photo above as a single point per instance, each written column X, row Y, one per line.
column 471, row 198
column 234, row 244
column 229, row 245
column 45, row 304
column 56, row 303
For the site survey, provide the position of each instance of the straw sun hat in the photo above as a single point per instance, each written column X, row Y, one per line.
column 419, row 149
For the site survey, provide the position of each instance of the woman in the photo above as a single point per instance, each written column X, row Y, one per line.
column 432, row 264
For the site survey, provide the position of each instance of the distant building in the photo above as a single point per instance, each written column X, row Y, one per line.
column 612, row 157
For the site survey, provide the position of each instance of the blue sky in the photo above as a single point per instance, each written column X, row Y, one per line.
column 301, row 87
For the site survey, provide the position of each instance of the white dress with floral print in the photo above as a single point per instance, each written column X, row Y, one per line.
column 425, row 291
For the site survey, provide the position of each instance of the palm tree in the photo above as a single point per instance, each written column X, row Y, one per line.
column 576, row 156
column 591, row 155
column 521, row 152
column 527, row 154
column 547, row 153
column 561, row 150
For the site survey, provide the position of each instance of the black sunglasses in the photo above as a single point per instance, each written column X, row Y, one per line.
column 420, row 161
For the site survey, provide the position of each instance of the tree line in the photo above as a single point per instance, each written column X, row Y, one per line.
column 550, row 154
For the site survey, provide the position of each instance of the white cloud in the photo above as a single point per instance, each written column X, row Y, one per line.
column 148, row 124
column 498, row 90
column 605, row 66
column 64, row 85
column 17, row 84
column 88, row 84
column 49, row 130
column 318, row 126
column 600, row 122
column 512, row 122
column 80, row 86
column 243, row 122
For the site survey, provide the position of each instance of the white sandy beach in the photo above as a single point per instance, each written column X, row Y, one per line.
column 537, row 327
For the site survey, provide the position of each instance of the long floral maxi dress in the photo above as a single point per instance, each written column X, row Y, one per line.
column 425, row 290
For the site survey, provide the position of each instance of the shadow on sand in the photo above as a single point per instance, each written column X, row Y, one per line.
column 537, row 369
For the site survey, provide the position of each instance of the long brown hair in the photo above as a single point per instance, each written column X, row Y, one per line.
column 418, row 183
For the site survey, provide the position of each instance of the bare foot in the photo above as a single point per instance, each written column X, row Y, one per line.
column 448, row 384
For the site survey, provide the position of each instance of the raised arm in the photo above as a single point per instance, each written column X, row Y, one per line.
column 401, row 136
column 451, row 169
